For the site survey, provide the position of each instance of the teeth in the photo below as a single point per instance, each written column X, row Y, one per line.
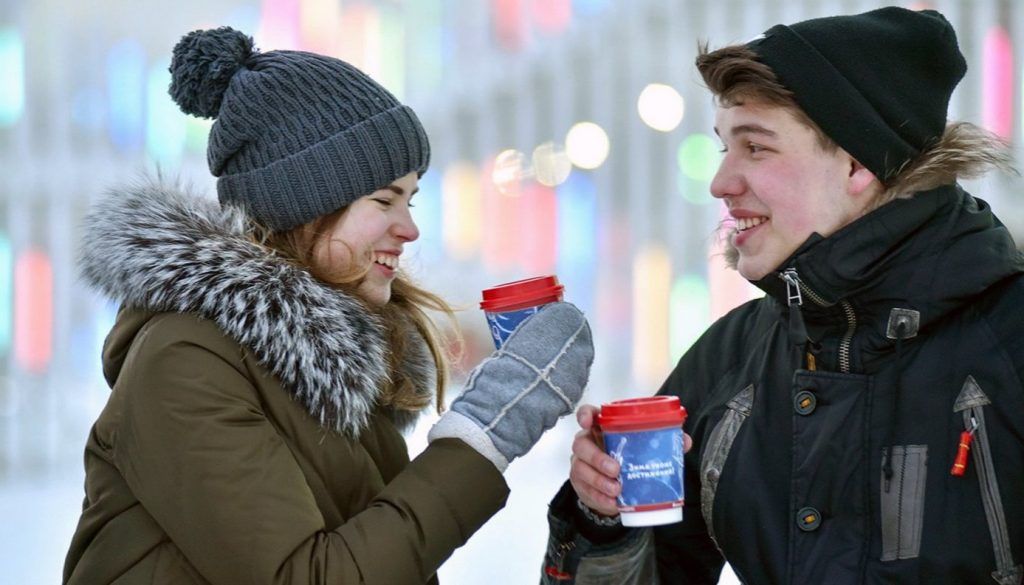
column 388, row 260
column 745, row 223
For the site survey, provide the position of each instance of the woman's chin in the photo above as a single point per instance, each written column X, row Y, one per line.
column 375, row 293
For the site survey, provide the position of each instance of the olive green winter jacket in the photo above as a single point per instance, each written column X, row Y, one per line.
column 242, row 442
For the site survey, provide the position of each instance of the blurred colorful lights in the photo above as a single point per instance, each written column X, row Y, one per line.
column 33, row 311
column 126, row 83
column 660, row 107
column 460, row 220
column 689, row 313
column 587, row 145
column 652, row 281
column 510, row 166
column 551, row 165
column 12, row 76
column 698, row 157
column 166, row 133
column 997, row 83
column 6, row 290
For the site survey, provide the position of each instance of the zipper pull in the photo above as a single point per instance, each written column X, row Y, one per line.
column 792, row 287
column 794, row 298
column 960, row 463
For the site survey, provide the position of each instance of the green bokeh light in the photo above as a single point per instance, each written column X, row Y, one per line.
column 698, row 157
column 166, row 133
column 197, row 130
column 690, row 312
column 693, row 191
column 12, row 76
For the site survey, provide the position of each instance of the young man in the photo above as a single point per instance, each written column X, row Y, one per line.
column 827, row 417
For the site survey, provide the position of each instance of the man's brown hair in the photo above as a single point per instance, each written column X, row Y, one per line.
column 735, row 75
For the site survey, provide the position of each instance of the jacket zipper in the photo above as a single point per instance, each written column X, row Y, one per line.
column 1006, row 571
column 796, row 289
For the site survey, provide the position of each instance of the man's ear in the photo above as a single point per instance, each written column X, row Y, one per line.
column 860, row 179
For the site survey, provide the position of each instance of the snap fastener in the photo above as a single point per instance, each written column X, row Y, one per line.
column 805, row 402
column 712, row 475
column 808, row 519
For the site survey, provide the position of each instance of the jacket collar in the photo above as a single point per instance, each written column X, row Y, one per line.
column 158, row 249
column 931, row 253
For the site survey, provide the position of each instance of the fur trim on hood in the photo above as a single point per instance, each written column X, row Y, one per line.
column 160, row 249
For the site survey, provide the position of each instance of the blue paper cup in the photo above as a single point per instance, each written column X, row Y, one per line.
column 503, row 324
column 508, row 305
column 646, row 437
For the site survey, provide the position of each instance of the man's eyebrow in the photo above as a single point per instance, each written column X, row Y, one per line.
column 751, row 129
column 400, row 191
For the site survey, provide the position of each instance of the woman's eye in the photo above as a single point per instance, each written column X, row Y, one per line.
column 384, row 202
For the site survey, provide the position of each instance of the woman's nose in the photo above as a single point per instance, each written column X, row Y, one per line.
column 405, row 228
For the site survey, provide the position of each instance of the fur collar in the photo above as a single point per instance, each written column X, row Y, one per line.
column 160, row 249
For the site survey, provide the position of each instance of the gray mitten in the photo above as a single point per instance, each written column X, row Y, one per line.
column 522, row 389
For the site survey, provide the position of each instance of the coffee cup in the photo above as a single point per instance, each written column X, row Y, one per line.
column 645, row 435
column 507, row 305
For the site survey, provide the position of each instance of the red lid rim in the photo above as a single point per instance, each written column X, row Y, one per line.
column 642, row 412
column 521, row 294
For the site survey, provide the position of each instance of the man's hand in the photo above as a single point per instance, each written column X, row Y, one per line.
column 594, row 474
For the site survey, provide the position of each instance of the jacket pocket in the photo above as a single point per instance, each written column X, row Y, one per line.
column 970, row 403
column 717, row 451
column 903, row 502
column 632, row 565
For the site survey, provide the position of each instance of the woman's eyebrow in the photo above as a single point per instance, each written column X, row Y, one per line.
column 400, row 191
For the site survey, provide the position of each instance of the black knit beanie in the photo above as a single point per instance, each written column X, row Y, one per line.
column 877, row 83
column 297, row 135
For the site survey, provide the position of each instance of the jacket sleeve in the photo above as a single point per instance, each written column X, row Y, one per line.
column 206, row 463
column 581, row 553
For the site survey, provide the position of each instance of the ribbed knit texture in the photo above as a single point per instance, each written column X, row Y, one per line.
column 297, row 135
column 877, row 83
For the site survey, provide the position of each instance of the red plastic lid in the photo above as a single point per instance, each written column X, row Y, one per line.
column 521, row 294
column 652, row 412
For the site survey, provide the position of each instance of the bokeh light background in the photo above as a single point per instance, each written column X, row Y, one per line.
column 569, row 137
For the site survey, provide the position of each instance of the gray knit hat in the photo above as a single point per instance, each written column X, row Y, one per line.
column 297, row 135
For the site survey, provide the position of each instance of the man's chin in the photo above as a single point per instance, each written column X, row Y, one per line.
column 750, row 269
column 747, row 270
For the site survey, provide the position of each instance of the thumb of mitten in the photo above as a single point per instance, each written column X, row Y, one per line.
column 519, row 392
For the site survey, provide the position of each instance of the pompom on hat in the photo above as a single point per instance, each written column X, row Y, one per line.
column 297, row 135
column 877, row 83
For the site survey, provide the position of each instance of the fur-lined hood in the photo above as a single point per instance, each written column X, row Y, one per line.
column 159, row 249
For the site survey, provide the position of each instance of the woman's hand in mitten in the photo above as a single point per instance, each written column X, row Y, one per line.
column 522, row 389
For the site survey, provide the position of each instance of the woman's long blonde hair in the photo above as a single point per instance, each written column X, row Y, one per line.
column 408, row 305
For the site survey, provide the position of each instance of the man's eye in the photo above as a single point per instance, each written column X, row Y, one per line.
column 754, row 148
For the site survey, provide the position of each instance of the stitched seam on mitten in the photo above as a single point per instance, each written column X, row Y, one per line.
column 541, row 376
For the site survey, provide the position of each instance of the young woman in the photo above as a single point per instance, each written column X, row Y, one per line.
column 269, row 352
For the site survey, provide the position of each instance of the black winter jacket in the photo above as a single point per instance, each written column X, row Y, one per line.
column 826, row 423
